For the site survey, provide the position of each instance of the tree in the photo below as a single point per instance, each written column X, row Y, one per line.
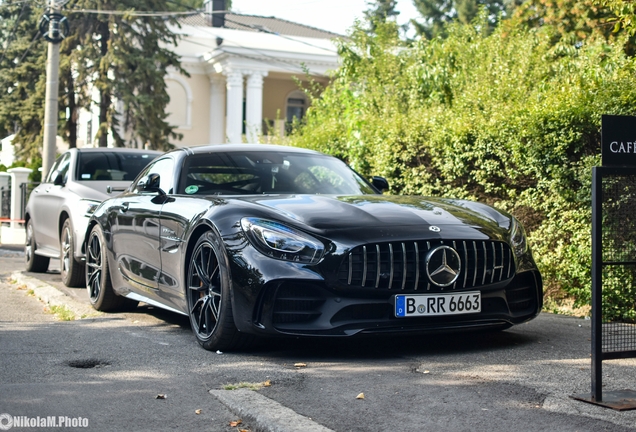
column 120, row 54
column 571, row 21
column 22, row 81
column 624, row 14
column 124, row 56
column 437, row 14
column 379, row 11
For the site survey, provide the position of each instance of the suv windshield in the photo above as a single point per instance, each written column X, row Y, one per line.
column 116, row 166
column 243, row 172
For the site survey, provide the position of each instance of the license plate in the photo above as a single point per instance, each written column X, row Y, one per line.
column 437, row 304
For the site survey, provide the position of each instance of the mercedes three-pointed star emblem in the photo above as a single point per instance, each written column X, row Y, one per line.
column 443, row 265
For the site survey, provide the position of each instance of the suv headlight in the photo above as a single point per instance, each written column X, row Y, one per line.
column 282, row 242
column 518, row 237
column 89, row 206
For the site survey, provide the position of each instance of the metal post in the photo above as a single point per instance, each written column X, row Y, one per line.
column 50, row 107
column 597, row 284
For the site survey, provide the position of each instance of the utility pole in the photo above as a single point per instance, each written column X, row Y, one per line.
column 54, row 29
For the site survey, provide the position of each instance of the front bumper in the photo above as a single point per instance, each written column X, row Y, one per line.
column 313, row 308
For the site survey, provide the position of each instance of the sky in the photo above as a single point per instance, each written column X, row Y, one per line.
column 333, row 15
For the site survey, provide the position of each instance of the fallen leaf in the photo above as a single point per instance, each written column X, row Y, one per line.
column 161, row 396
column 244, row 430
column 267, row 383
column 299, row 365
column 198, row 411
column 360, row 396
column 236, row 423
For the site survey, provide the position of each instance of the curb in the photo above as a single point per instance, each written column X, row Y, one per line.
column 264, row 413
column 52, row 296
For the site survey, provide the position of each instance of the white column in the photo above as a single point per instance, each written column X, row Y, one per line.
column 217, row 109
column 234, row 112
column 18, row 177
column 254, row 106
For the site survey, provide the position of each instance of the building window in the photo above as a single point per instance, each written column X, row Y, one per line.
column 296, row 108
column 179, row 108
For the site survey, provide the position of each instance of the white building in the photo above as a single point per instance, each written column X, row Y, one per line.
column 244, row 73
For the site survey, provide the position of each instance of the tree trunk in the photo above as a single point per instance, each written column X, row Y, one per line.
column 104, row 92
column 72, row 109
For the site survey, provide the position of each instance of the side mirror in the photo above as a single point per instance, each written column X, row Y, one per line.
column 150, row 183
column 59, row 180
column 380, row 183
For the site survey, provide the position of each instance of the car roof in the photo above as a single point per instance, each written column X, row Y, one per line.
column 115, row 150
column 213, row 148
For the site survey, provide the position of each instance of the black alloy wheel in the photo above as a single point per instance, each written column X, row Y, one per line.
column 34, row 263
column 208, row 293
column 98, row 283
column 71, row 270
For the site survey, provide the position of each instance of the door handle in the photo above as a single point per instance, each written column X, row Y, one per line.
column 124, row 207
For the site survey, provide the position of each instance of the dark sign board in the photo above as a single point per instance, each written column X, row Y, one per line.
column 618, row 140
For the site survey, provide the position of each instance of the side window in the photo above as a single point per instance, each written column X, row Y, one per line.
column 165, row 169
column 61, row 166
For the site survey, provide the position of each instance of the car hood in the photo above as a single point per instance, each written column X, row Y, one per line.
column 327, row 213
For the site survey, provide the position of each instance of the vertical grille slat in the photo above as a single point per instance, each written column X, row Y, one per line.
column 483, row 279
column 364, row 265
column 465, row 265
column 378, row 267
column 494, row 263
column 404, row 263
column 391, row 265
column 475, row 256
column 350, row 268
column 417, row 265
column 401, row 265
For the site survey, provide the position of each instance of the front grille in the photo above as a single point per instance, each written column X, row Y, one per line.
column 402, row 265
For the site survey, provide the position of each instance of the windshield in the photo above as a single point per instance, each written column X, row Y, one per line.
column 258, row 172
column 115, row 166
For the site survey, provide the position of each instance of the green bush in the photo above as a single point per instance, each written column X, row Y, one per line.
column 503, row 117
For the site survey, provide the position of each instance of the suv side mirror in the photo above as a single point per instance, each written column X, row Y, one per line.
column 380, row 183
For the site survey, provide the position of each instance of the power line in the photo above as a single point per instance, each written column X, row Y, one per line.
column 295, row 69
column 276, row 59
column 132, row 13
column 192, row 13
column 27, row 50
column 261, row 29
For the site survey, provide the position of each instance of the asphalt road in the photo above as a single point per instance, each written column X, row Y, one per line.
column 520, row 379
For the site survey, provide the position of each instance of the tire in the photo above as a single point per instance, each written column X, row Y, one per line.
column 98, row 283
column 34, row 263
column 73, row 272
column 208, row 293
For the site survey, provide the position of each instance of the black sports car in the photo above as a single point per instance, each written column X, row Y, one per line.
column 259, row 239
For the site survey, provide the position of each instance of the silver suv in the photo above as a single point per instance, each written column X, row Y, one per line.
column 58, row 209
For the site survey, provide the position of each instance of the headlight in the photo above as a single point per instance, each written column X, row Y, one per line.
column 89, row 206
column 518, row 237
column 282, row 242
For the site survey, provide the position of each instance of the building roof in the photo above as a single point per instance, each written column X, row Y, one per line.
column 262, row 24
